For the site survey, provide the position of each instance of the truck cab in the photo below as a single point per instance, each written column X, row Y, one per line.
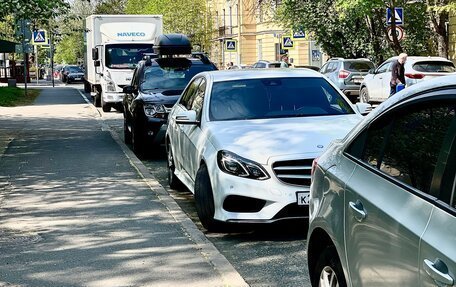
column 116, row 44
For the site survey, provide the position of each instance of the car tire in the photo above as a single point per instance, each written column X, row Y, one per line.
column 328, row 270
column 97, row 100
column 87, row 87
column 106, row 107
column 127, row 132
column 173, row 181
column 364, row 96
column 204, row 200
column 137, row 140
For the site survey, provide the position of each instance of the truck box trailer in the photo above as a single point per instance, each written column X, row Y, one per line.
column 114, row 45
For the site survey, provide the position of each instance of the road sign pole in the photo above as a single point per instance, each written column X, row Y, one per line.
column 36, row 65
column 23, row 24
column 51, row 53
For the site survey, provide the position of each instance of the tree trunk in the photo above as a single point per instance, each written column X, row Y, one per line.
column 437, row 22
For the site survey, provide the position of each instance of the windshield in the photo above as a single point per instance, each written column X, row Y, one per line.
column 125, row 56
column 174, row 77
column 358, row 66
column 74, row 70
column 275, row 98
column 434, row 67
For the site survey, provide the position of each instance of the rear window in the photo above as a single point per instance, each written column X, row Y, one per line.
column 275, row 98
column 358, row 66
column 171, row 74
column 434, row 67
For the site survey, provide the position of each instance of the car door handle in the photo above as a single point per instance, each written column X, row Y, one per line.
column 359, row 213
column 438, row 271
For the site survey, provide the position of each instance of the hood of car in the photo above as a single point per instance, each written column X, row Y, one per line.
column 259, row 140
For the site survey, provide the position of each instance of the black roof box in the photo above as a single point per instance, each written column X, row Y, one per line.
column 172, row 44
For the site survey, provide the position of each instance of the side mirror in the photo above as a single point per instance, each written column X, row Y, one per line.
column 129, row 90
column 186, row 118
column 371, row 71
column 364, row 108
column 94, row 54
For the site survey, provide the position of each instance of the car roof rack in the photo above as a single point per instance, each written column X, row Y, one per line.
column 201, row 56
column 172, row 44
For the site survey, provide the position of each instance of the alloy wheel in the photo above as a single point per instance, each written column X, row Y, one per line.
column 328, row 278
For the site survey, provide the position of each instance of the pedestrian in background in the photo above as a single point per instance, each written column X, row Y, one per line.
column 398, row 73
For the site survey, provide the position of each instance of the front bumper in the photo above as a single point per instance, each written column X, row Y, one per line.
column 110, row 97
column 279, row 199
column 155, row 130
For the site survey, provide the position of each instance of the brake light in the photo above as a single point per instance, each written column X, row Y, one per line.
column 414, row 76
column 343, row 74
column 314, row 166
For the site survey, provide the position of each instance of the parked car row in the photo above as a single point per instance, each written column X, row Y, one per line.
column 69, row 73
column 260, row 146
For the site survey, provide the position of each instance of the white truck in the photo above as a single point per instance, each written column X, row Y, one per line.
column 114, row 45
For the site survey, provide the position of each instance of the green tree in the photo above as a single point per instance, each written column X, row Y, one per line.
column 110, row 7
column 179, row 16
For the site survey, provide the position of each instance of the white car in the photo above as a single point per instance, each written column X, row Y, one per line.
column 376, row 84
column 243, row 141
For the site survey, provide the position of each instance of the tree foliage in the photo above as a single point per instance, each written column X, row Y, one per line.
column 357, row 28
column 33, row 9
column 110, row 7
column 179, row 16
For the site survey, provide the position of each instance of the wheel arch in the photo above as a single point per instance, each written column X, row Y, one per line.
column 317, row 242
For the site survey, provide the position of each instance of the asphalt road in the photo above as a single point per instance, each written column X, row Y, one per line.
column 264, row 255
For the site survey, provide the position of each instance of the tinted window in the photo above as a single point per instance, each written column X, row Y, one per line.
column 383, row 68
column 125, row 56
column 358, row 66
column 187, row 96
column 173, row 75
column 274, row 65
column 406, row 144
column 434, row 67
column 74, row 69
column 198, row 99
column 275, row 98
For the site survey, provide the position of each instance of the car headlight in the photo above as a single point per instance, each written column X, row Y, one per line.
column 235, row 165
column 110, row 85
column 151, row 110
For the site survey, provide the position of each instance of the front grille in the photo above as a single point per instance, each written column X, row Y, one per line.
column 293, row 210
column 296, row 172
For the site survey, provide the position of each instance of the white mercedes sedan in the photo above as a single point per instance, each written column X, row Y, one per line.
column 243, row 142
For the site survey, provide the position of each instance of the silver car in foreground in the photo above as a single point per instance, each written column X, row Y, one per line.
column 383, row 200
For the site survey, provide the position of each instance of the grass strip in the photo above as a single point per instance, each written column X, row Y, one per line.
column 12, row 97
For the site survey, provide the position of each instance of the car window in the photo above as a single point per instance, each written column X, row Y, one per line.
column 198, row 99
column 323, row 69
column 260, row 65
column 188, row 93
column 406, row 143
column 358, row 66
column 275, row 98
column 331, row 67
column 383, row 68
column 434, row 67
column 170, row 74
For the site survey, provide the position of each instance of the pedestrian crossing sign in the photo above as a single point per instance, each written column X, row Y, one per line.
column 398, row 16
column 39, row 37
column 287, row 42
column 297, row 35
column 230, row 45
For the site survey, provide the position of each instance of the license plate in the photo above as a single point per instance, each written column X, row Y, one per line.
column 303, row 197
column 77, row 79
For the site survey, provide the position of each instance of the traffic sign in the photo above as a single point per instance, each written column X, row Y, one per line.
column 23, row 30
column 230, row 45
column 39, row 37
column 299, row 35
column 398, row 15
column 399, row 33
column 287, row 42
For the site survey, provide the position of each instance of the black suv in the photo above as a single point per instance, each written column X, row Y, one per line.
column 156, row 85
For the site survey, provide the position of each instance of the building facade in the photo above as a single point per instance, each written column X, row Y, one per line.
column 245, row 32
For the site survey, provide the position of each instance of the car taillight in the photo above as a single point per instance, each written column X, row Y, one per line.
column 314, row 166
column 343, row 74
column 414, row 76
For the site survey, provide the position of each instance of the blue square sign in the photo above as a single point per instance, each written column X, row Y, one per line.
column 398, row 16
column 39, row 37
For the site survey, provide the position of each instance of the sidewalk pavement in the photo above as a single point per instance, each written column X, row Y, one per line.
column 77, row 208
